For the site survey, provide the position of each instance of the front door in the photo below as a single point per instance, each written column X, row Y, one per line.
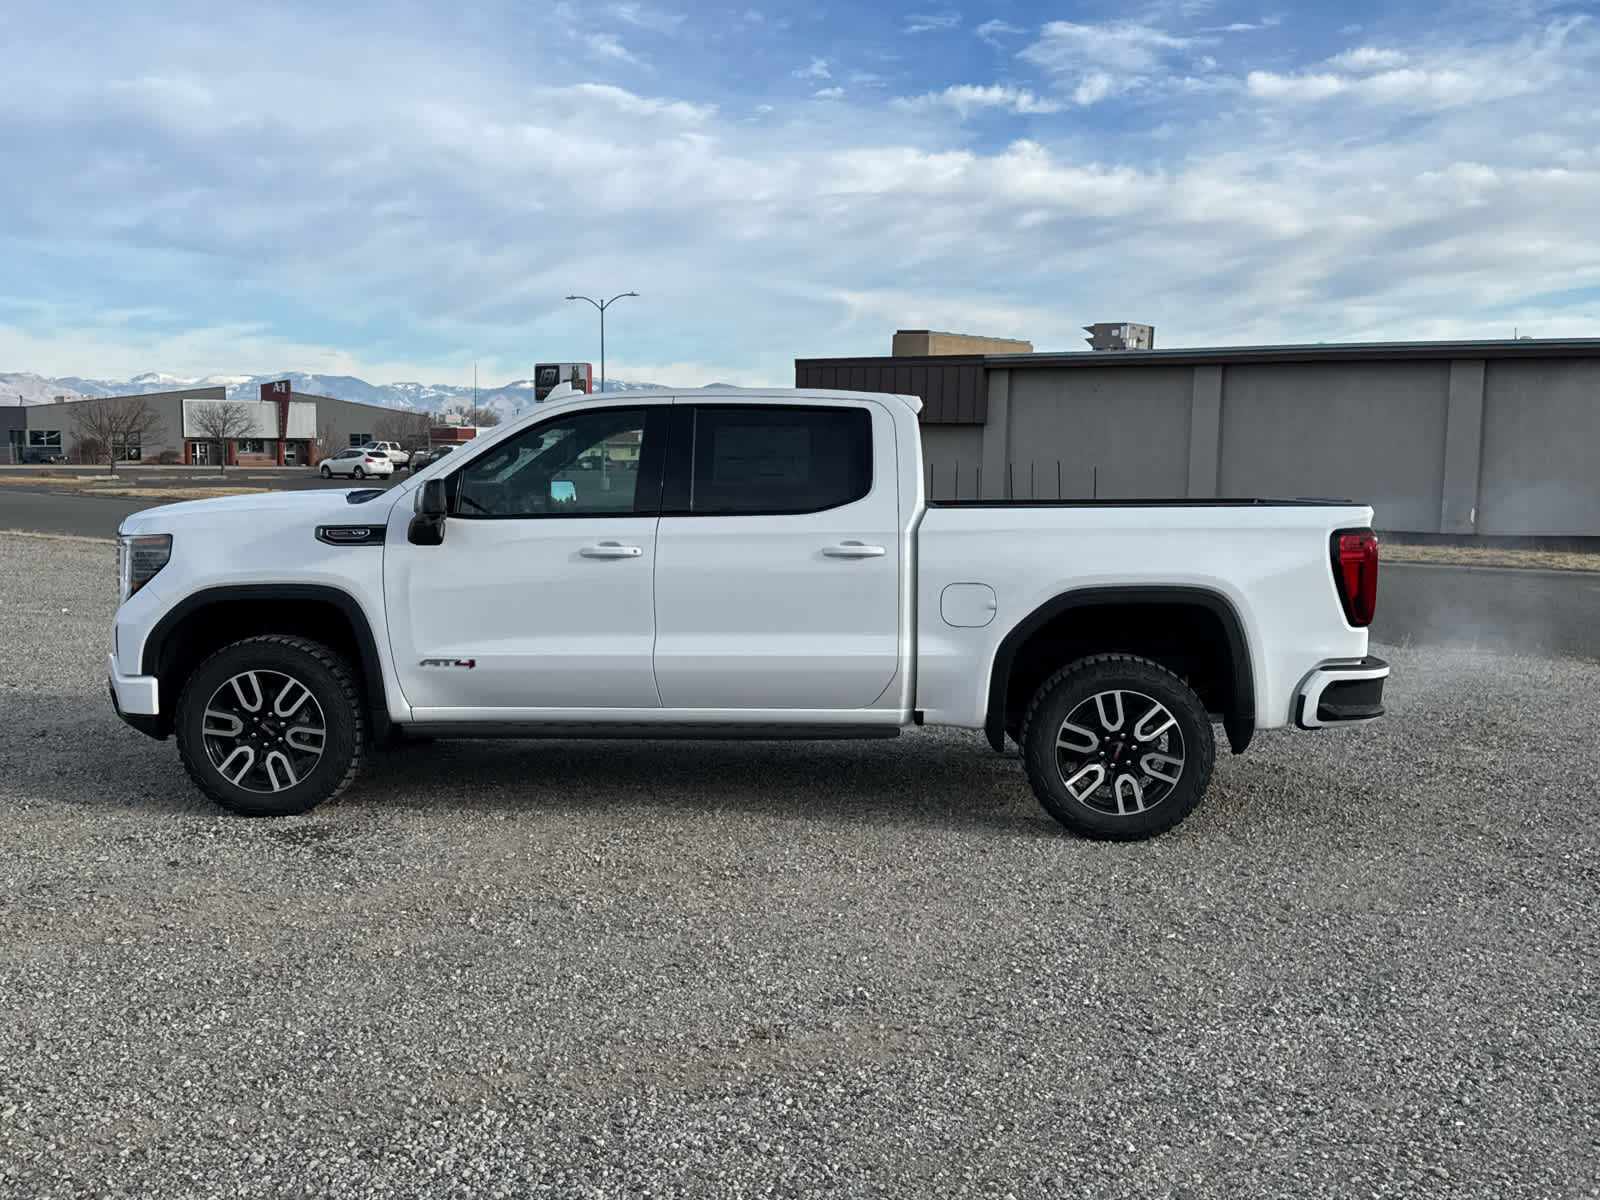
column 540, row 597
column 778, row 559
column 202, row 454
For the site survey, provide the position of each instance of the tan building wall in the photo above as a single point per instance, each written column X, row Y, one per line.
column 916, row 343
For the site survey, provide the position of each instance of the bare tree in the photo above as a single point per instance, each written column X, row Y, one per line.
column 327, row 445
column 223, row 421
column 409, row 429
column 111, row 426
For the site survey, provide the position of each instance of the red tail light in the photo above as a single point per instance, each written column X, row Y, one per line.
column 1355, row 573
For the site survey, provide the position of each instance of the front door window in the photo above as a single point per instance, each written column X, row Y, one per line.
column 584, row 466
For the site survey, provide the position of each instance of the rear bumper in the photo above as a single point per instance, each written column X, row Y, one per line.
column 1341, row 693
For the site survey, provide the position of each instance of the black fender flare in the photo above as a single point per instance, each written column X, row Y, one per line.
column 1238, row 719
column 370, row 664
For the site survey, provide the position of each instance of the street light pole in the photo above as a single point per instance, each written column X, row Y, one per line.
column 602, row 306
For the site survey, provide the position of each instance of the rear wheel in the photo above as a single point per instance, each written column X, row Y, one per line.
column 1117, row 747
column 271, row 726
column 359, row 473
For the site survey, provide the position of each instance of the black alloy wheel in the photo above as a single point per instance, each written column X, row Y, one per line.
column 1117, row 747
column 271, row 726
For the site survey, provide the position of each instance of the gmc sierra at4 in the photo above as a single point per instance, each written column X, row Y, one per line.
column 727, row 564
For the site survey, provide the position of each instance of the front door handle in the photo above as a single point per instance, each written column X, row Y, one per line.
column 854, row 550
column 611, row 550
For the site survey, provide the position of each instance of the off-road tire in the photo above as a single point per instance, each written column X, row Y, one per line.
column 331, row 684
column 1079, row 683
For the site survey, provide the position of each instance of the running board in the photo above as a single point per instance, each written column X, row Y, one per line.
column 576, row 731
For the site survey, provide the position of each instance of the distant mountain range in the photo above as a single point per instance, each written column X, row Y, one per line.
column 507, row 400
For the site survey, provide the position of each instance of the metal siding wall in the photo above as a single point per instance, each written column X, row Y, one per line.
column 952, row 461
column 1373, row 432
column 1541, row 446
column 1402, row 434
column 1112, row 433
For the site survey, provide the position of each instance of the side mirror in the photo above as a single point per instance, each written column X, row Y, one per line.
column 427, row 526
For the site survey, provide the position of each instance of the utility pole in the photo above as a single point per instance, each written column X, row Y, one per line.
column 602, row 306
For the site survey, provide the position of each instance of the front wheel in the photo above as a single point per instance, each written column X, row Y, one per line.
column 271, row 726
column 1117, row 747
column 327, row 471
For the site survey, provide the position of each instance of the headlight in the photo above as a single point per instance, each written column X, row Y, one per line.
column 139, row 557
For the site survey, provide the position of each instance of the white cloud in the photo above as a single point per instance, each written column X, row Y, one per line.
column 1406, row 87
column 1271, row 86
column 1442, row 77
column 644, row 16
column 816, row 69
column 967, row 98
column 932, row 22
column 1098, row 61
column 991, row 31
column 1362, row 59
column 1122, row 45
column 628, row 102
column 608, row 45
column 827, row 93
column 219, row 222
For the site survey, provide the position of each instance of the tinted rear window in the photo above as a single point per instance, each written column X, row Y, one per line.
column 780, row 460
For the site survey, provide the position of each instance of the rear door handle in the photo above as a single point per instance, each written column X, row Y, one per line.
column 854, row 550
column 611, row 550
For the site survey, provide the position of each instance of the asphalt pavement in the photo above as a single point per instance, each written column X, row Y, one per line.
column 54, row 505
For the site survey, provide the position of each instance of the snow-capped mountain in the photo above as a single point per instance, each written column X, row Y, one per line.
column 507, row 400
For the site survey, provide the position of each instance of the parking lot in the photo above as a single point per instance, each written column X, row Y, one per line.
column 1364, row 967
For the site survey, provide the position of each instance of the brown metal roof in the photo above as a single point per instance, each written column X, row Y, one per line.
column 953, row 387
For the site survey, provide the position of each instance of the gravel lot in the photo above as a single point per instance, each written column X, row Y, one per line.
column 1365, row 966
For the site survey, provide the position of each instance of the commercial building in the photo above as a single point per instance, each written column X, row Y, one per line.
column 1496, row 438
column 13, row 420
column 201, row 426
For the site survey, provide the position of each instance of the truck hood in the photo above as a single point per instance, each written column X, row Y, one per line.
column 349, row 506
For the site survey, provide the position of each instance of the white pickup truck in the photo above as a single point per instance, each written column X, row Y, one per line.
column 729, row 564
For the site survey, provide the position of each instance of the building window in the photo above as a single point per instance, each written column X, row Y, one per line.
column 360, row 439
column 127, row 450
column 46, row 439
column 252, row 446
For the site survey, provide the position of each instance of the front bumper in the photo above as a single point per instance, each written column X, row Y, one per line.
column 136, row 699
column 1341, row 693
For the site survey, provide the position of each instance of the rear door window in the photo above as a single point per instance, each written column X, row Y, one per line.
column 772, row 460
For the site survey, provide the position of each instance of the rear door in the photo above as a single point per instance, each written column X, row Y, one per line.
column 540, row 595
column 777, row 560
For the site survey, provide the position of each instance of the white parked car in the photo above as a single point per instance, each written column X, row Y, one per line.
column 772, row 569
column 398, row 456
column 358, row 463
